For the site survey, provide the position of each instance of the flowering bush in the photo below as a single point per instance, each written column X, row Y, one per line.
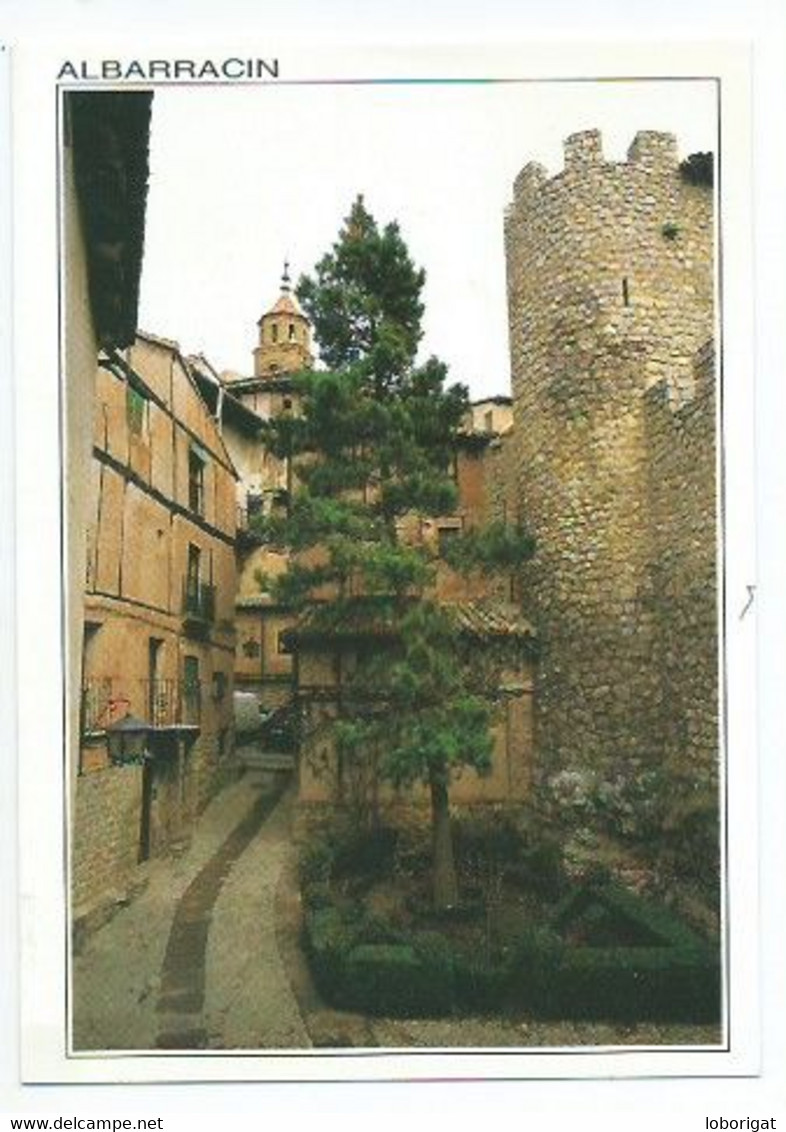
column 626, row 800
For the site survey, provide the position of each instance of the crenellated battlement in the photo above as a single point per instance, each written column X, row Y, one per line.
column 609, row 256
column 654, row 149
column 529, row 182
column 650, row 152
column 583, row 149
column 611, row 301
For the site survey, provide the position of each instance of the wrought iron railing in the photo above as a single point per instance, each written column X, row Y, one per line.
column 199, row 600
column 254, row 507
column 171, row 703
column 102, row 703
column 159, row 703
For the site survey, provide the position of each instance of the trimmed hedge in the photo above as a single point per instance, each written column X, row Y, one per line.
column 360, row 964
column 667, row 973
column 630, row 913
column 393, row 976
column 630, row 984
column 398, row 979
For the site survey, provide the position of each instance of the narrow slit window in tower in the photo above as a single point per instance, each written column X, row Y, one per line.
column 625, row 292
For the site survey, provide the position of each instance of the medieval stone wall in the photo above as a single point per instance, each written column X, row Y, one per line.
column 105, row 837
column 683, row 530
column 610, row 288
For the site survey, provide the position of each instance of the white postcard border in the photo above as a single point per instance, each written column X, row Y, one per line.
column 40, row 659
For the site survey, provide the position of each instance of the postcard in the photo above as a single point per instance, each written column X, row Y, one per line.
column 385, row 563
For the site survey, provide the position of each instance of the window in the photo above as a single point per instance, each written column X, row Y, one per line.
column 625, row 293
column 192, row 697
column 446, row 536
column 219, row 685
column 196, row 482
column 255, row 504
column 274, row 332
column 291, row 332
column 192, row 577
column 137, row 411
column 283, row 647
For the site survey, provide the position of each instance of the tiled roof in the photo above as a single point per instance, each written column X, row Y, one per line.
column 285, row 304
column 232, row 408
column 485, row 619
column 257, row 601
column 489, row 618
column 109, row 134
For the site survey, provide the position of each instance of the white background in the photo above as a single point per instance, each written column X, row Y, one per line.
column 651, row 1104
column 272, row 171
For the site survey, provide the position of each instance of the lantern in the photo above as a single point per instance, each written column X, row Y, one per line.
column 127, row 740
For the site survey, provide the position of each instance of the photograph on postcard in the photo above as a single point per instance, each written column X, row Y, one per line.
column 393, row 557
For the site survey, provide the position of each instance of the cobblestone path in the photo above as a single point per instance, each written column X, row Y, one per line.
column 182, row 993
column 193, row 961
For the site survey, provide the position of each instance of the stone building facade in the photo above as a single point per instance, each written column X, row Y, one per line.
column 611, row 312
column 284, row 348
column 158, row 642
column 104, row 143
column 284, row 336
column 496, row 637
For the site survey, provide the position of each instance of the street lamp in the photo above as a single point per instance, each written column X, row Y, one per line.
column 127, row 740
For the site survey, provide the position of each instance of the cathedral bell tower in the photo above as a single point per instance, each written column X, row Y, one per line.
column 284, row 336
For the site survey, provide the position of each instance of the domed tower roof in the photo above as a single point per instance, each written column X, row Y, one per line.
column 284, row 336
column 286, row 304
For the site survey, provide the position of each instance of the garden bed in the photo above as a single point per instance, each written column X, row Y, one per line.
column 523, row 937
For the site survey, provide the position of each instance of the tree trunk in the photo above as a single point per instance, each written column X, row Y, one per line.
column 444, row 868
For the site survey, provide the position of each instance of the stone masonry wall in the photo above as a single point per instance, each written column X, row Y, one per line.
column 501, row 502
column 610, row 289
column 105, row 844
column 683, row 529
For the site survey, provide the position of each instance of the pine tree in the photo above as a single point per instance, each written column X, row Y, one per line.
column 372, row 449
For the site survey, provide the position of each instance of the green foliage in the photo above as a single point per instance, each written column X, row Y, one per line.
column 698, row 169
column 636, row 960
column 399, row 980
column 369, row 853
column 330, row 936
column 364, row 300
column 496, row 546
column 529, row 855
column 315, row 863
column 313, row 519
column 371, row 452
column 626, row 983
column 362, row 964
column 432, row 723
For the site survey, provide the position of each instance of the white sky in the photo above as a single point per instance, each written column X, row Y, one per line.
column 242, row 177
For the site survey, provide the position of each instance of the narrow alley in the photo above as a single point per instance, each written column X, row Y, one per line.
column 208, row 957
column 193, row 961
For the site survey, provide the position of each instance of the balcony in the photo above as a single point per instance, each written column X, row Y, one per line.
column 254, row 507
column 163, row 704
column 199, row 607
column 173, row 703
column 103, row 703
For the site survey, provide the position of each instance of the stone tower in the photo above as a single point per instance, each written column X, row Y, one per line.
column 610, row 294
column 284, row 336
